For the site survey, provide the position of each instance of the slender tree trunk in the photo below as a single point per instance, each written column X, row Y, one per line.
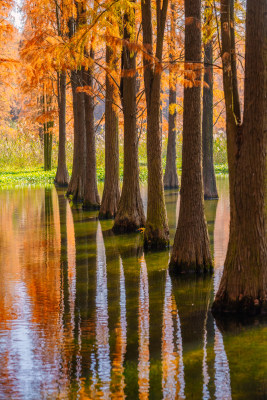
column 130, row 215
column 91, row 196
column 77, row 183
column 62, row 175
column 48, row 138
column 209, row 180
column 111, row 194
column 191, row 250
column 243, row 287
column 156, row 229
column 170, row 176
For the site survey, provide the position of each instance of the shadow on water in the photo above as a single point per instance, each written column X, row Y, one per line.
column 86, row 314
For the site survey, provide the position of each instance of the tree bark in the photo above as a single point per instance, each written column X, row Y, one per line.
column 62, row 175
column 130, row 215
column 156, row 230
column 191, row 250
column 111, row 193
column 209, row 180
column 243, row 287
column 170, row 176
column 77, row 183
column 91, row 196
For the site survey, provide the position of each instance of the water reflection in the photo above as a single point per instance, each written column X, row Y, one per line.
column 84, row 314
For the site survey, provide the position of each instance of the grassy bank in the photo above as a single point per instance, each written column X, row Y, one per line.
column 21, row 159
column 37, row 176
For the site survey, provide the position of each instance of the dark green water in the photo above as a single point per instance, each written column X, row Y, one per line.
column 85, row 314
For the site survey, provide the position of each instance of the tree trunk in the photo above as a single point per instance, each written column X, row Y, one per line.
column 170, row 176
column 48, row 145
column 191, row 250
column 156, row 229
column 130, row 215
column 209, row 180
column 111, row 193
column 62, row 175
column 91, row 196
column 77, row 183
column 243, row 287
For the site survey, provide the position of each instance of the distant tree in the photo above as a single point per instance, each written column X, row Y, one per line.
column 209, row 180
column 91, row 196
column 171, row 176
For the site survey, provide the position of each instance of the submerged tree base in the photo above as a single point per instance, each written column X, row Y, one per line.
column 180, row 267
column 126, row 225
column 106, row 215
column 211, row 196
column 243, row 305
column 90, row 206
column 156, row 239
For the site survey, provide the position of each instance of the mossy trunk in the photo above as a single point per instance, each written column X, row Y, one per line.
column 191, row 249
column 91, row 196
column 62, row 175
column 209, row 180
column 111, row 193
column 243, row 287
column 130, row 215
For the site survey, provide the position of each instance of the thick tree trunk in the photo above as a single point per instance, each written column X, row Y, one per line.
column 62, row 175
column 130, row 215
column 156, row 229
column 77, row 183
column 111, row 193
column 191, row 250
column 243, row 287
column 209, row 180
column 170, row 176
column 91, row 196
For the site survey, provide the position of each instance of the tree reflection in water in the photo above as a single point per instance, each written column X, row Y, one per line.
column 84, row 314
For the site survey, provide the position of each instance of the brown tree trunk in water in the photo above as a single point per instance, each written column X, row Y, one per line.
column 156, row 230
column 111, row 193
column 243, row 287
column 62, row 175
column 170, row 176
column 91, row 196
column 209, row 180
column 130, row 215
column 191, row 249
column 77, row 183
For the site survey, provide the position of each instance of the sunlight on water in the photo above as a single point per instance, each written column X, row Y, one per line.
column 85, row 314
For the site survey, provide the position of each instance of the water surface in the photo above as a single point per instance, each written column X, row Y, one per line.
column 85, row 314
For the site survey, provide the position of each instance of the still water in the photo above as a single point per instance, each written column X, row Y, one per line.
column 85, row 314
